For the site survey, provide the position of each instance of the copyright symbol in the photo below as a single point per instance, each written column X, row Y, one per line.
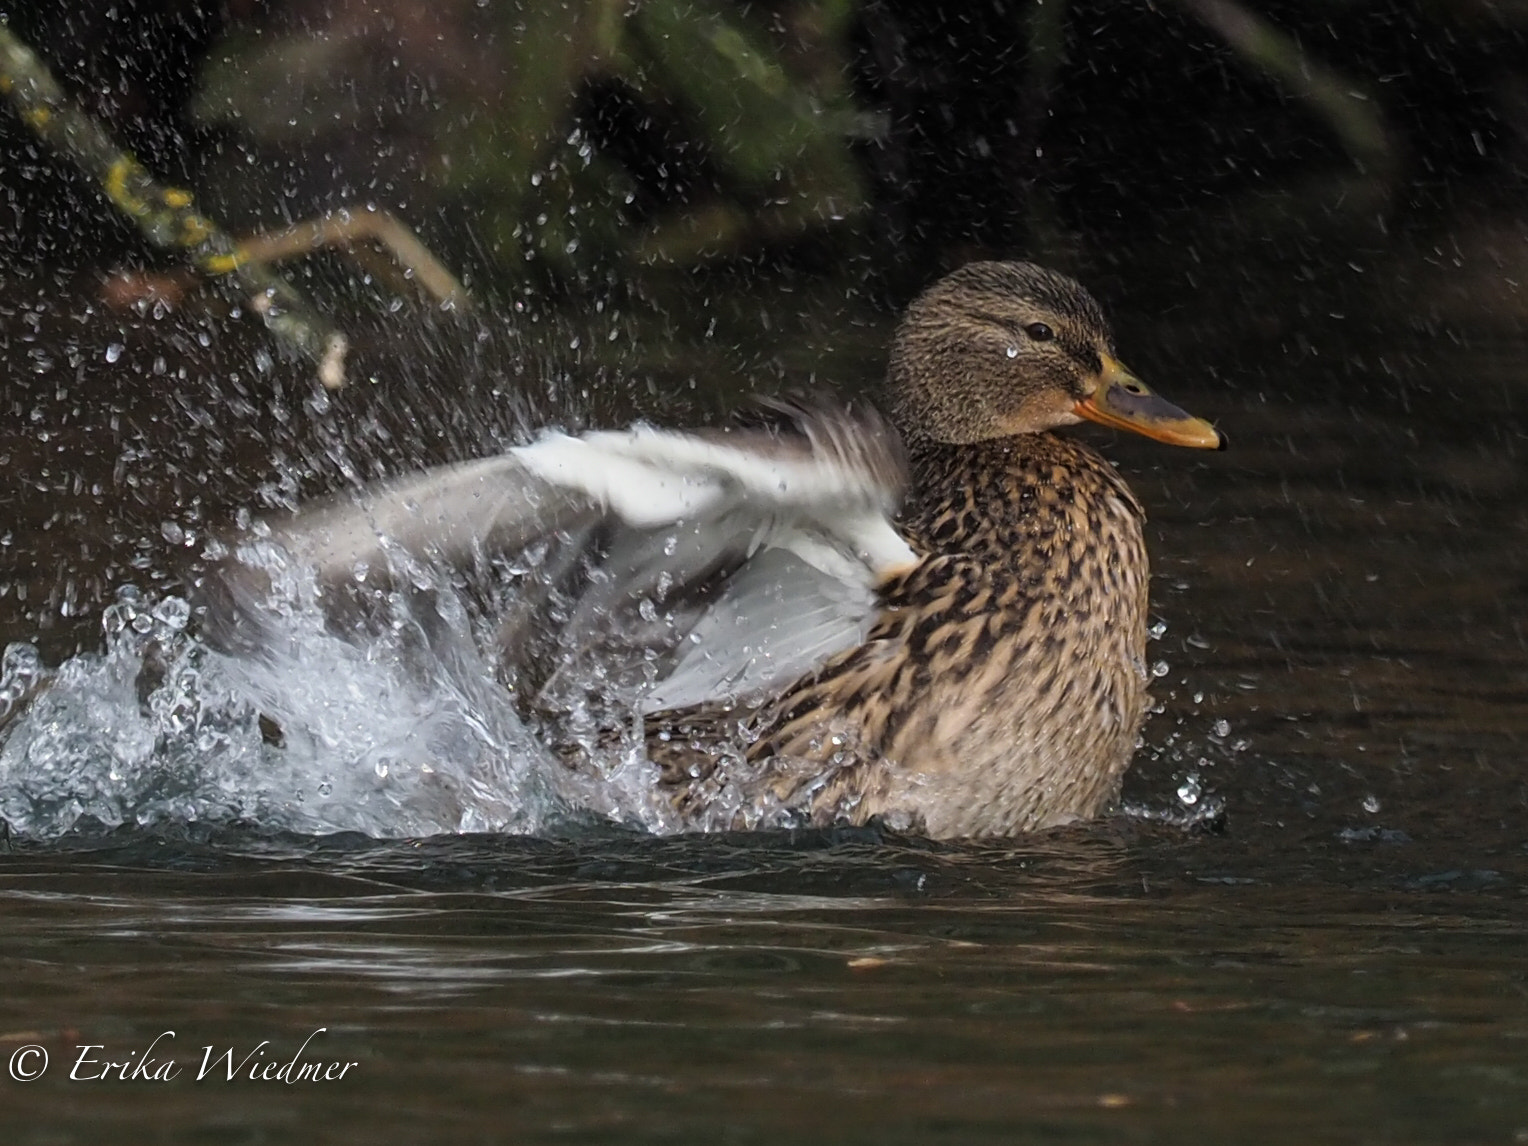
column 28, row 1062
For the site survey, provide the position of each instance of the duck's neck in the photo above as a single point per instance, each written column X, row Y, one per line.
column 1012, row 496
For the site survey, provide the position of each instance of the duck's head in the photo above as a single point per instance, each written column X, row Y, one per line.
column 997, row 349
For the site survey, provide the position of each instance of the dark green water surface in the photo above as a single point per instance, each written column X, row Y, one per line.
column 1099, row 988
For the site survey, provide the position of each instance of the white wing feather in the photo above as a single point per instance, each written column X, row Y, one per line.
column 797, row 528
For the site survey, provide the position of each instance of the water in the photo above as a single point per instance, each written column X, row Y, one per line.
column 1309, row 927
column 162, row 727
column 815, row 988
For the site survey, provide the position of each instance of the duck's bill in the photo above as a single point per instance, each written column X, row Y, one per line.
column 1124, row 402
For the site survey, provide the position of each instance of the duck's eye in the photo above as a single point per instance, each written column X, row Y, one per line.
column 1039, row 332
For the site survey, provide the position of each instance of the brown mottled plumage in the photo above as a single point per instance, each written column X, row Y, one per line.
column 1003, row 685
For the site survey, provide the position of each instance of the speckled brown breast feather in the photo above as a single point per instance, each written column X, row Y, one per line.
column 1002, row 689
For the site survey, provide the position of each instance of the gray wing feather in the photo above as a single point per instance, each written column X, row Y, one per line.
column 778, row 619
column 450, row 514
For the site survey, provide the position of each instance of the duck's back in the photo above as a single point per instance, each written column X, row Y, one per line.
column 1003, row 687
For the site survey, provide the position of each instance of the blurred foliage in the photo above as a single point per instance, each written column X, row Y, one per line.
column 741, row 121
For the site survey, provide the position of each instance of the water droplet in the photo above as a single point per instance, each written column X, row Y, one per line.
column 20, row 669
column 1190, row 790
column 20, row 660
column 1157, row 631
column 1221, row 728
column 1371, row 804
column 1160, row 669
column 172, row 613
column 114, row 351
column 1012, row 352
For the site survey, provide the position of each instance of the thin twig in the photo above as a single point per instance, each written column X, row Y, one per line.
column 344, row 229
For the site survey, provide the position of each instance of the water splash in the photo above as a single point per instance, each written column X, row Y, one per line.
column 405, row 732
column 1193, row 757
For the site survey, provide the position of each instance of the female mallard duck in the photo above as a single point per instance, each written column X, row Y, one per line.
column 790, row 648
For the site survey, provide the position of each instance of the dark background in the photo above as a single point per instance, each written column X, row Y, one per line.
column 1137, row 121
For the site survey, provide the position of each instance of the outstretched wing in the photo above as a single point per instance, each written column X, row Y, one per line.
column 661, row 569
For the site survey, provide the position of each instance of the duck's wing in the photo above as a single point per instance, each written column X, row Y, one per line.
column 664, row 569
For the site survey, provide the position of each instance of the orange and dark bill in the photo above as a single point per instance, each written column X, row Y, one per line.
column 1123, row 401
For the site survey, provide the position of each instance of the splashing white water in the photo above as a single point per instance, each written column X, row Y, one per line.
column 402, row 733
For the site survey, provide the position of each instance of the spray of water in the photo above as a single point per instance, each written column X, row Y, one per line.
column 402, row 730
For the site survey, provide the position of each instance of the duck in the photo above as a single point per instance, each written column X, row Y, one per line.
column 927, row 611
